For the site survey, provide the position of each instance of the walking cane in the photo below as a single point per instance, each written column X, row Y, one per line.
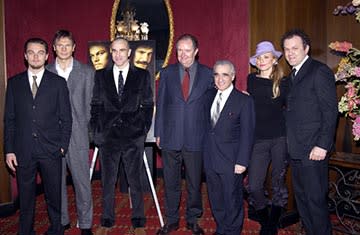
column 93, row 161
column 153, row 190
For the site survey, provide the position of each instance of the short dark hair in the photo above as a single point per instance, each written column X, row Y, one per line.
column 63, row 33
column 188, row 36
column 36, row 40
column 296, row 32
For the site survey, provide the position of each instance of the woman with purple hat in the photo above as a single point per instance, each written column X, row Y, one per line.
column 269, row 89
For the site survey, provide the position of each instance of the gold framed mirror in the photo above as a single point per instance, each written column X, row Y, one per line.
column 147, row 10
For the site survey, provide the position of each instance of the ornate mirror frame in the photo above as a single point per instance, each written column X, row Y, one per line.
column 171, row 28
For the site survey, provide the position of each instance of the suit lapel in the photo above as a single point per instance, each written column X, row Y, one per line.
column 109, row 82
column 73, row 74
column 25, row 86
column 195, row 84
column 130, row 80
column 302, row 72
column 43, row 84
column 229, row 104
column 177, row 82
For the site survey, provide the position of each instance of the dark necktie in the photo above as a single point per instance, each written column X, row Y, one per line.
column 186, row 84
column 34, row 86
column 292, row 74
column 120, row 84
column 216, row 114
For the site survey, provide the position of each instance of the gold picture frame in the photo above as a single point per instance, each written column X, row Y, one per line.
column 170, row 45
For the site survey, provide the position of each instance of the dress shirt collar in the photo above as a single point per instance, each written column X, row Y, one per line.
column 116, row 72
column 39, row 76
column 298, row 67
column 224, row 96
column 64, row 73
column 225, row 93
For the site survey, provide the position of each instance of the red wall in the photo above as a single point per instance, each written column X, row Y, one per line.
column 221, row 27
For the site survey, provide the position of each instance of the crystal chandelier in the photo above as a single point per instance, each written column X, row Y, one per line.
column 129, row 28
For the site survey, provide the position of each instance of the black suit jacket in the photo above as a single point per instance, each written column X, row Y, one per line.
column 46, row 118
column 115, row 122
column 230, row 141
column 311, row 110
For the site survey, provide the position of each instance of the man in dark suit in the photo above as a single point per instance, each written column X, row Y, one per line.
column 227, row 148
column 80, row 81
column 311, row 121
column 121, row 113
column 179, row 130
column 37, row 133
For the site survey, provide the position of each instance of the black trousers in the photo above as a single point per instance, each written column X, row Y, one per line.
column 310, row 182
column 225, row 192
column 172, row 164
column 264, row 152
column 132, row 160
column 50, row 170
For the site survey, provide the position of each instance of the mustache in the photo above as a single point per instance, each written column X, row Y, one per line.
column 142, row 62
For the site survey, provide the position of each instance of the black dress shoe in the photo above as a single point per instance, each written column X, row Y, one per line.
column 167, row 228
column 107, row 223
column 195, row 228
column 86, row 231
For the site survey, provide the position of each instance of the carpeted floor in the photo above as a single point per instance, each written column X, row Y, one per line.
column 8, row 225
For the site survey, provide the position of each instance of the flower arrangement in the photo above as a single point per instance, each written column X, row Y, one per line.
column 351, row 8
column 349, row 72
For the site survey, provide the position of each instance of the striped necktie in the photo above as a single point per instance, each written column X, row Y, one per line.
column 216, row 114
column 34, row 86
column 120, row 84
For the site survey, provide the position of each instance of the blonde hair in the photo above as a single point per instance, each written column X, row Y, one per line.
column 276, row 75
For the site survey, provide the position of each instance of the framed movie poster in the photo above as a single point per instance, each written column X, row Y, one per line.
column 143, row 55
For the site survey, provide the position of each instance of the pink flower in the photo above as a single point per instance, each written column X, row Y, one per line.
column 357, row 71
column 356, row 128
column 340, row 46
column 351, row 90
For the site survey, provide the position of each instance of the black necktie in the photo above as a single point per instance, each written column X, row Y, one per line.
column 120, row 84
column 292, row 74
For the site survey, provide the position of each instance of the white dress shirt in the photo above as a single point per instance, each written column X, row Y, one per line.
column 224, row 96
column 64, row 73
column 116, row 72
column 39, row 76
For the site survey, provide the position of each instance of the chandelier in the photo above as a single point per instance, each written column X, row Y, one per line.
column 129, row 28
